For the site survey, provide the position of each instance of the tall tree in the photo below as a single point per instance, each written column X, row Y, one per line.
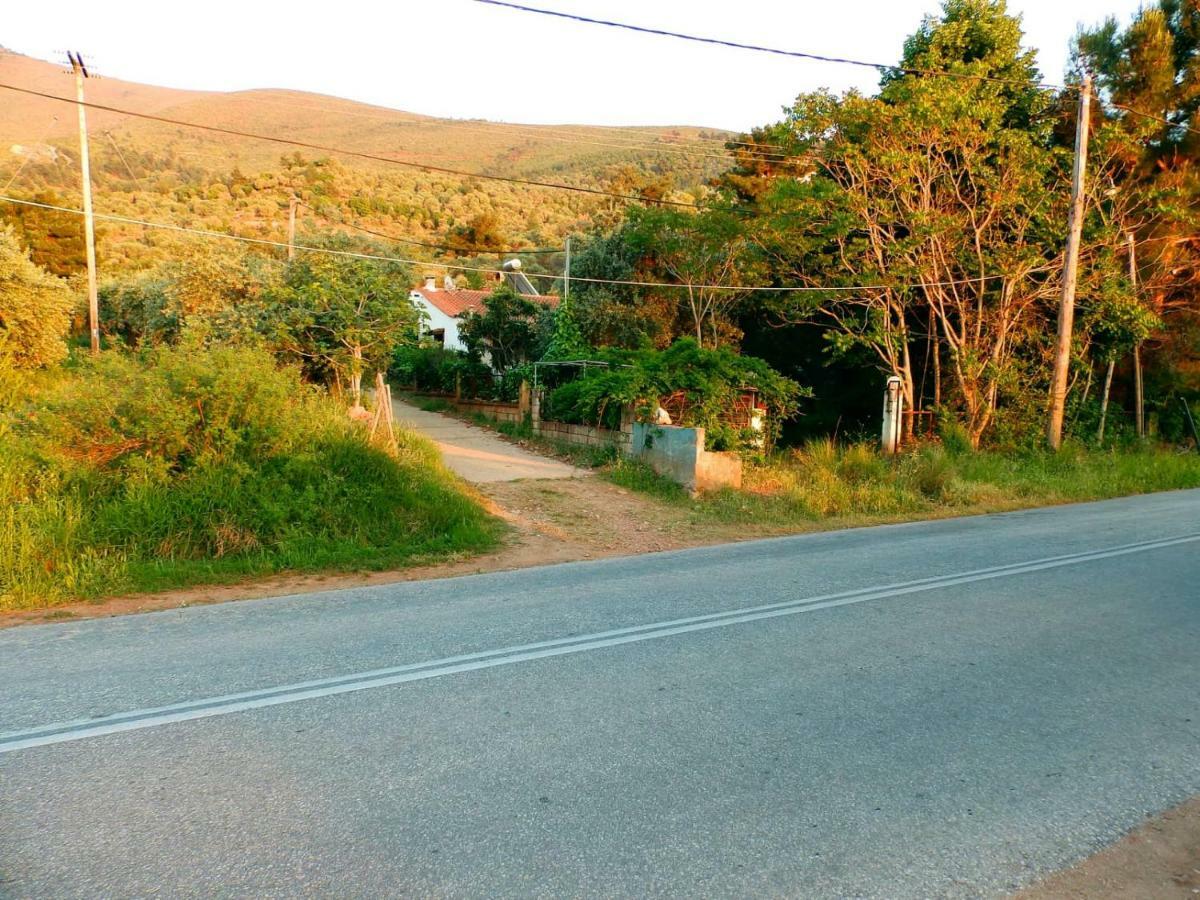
column 1150, row 71
column 702, row 256
column 935, row 199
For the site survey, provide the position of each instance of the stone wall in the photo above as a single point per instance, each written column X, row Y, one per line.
column 501, row 412
column 583, row 435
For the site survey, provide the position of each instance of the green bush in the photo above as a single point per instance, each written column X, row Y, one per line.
column 440, row 371
column 710, row 380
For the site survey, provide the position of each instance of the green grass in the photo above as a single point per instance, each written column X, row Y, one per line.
column 250, row 485
column 825, row 485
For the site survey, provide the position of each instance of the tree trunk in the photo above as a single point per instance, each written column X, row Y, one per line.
column 937, row 362
column 356, row 376
column 1108, row 377
column 1139, row 398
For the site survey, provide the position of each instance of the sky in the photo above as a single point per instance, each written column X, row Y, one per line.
column 463, row 59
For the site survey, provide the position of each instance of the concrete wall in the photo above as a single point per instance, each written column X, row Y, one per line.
column 679, row 454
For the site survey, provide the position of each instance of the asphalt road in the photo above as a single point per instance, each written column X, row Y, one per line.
column 940, row 709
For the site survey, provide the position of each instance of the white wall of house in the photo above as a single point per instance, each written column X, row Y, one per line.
column 435, row 319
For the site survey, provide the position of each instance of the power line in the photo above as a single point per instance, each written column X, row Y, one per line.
column 291, row 142
column 120, row 153
column 1153, row 118
column 796, row 54
column 611, row 281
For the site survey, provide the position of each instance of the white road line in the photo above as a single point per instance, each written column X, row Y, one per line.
column 62, row 732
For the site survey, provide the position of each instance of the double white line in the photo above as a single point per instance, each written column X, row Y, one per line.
column 62, row 732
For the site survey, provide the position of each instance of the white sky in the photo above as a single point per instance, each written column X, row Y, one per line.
column 463, row 59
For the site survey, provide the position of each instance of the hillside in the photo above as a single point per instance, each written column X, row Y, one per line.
column 186, row 176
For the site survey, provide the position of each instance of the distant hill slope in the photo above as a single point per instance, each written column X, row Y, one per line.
column 24, row 118
column 191, row 177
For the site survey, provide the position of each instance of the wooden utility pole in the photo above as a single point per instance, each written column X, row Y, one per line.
column 1066, row 311
column 292, row 227
column 1139, row 399
column 89, row 224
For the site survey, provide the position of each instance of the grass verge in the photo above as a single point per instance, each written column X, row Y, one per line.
column 827, row 486
column 181, row 467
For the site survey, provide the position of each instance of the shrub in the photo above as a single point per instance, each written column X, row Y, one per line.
column 441, row 371
column 35, row 309
column 955, row 439
column 710, row 380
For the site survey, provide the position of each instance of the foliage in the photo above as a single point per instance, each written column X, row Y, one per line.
column 35, row 309
column 215, row 294
column 566, row 340
column 710, row 380
column 187, row 464
column 437, row 370
column 506, row 333
column 704, row 255
column 343, row 314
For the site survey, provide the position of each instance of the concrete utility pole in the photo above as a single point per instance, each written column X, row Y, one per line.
column 567, row 273
column 292, row 227
column 1066, row 311
column 893, row 417
column 1139, row 399
column 89, row 224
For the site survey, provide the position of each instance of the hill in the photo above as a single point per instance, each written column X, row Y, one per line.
column 187, row 176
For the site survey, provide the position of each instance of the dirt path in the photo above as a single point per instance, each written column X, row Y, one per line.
column 1159, row 861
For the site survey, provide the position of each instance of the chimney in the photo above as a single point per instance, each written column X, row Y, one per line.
column 431, row 282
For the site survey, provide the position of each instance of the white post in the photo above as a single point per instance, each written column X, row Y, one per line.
column 893, row 416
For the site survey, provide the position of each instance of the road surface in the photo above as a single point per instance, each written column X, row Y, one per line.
column 477, row 454
column 945, row 709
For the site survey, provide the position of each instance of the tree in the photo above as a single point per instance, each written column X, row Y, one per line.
column 55, row 239
column 506, row 332
column 703, row 253
column 566, row 340
column 482, row 232
column 35, row 308
column 1150, row 71
column 928, row 212
column 344, row 315
column 617, row 315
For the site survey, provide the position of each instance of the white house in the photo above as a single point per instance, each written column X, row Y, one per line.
column 445, row 306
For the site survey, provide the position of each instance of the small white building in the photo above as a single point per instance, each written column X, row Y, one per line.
column 444, row 306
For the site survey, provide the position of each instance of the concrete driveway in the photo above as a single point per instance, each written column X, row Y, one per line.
column 477, row 454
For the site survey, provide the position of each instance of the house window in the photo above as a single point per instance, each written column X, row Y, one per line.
column 439, row 335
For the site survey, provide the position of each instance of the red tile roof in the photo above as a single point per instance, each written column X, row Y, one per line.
column 455, row 303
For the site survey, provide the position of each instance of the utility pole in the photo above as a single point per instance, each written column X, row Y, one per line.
column 89, row 224
column 1139, row 400
column 1066, row 311
column 292, row 227
column 567, row 273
